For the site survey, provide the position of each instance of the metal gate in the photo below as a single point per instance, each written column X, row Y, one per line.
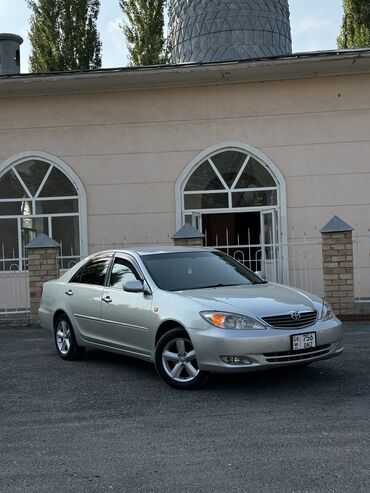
column 297, row 263
column 14, row 294
column 361, row 267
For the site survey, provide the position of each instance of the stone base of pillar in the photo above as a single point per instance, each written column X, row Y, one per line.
column 337, row 253
column 188, row 242
column 43, row 265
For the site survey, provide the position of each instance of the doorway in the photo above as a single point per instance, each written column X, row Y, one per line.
column 250, row 237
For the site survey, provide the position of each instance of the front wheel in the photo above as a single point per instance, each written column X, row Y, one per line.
column 65, row 340
column 176, row 361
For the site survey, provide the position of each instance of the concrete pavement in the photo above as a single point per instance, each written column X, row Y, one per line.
column 108, row 423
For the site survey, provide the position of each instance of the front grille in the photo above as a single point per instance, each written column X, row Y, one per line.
column 300, row 355
column 288, row 322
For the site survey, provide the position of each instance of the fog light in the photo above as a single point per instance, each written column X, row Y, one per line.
column 235, row 360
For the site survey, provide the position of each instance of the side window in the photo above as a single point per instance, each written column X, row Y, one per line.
column 122, row 272
column 93, row 272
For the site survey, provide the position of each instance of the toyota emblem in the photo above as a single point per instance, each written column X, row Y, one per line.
column 295, row 315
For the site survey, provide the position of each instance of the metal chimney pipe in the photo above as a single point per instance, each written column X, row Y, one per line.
column 10, row 60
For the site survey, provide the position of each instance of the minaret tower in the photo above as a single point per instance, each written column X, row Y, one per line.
column 219, row 30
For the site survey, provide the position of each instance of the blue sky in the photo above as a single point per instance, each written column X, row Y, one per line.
column 315, row 26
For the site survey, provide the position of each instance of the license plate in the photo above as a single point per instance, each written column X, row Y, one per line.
column 304, row 341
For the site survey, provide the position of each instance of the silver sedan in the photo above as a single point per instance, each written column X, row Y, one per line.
column 191, row 311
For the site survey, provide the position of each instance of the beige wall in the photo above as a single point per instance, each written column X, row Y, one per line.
column 129, row 148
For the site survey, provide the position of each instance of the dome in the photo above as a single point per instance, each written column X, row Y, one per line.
column 219, row 30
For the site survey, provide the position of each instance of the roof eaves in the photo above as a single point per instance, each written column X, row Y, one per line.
column 165, row 67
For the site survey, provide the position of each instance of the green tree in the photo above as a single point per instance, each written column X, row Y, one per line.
column 144, row 31
column 355, row 32
column 63, row 35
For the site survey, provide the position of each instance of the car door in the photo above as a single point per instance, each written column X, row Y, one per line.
column 83, row 298
column 125, row 316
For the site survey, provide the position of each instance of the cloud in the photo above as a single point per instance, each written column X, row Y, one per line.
column 114, row 46
column 114, row 25
column 6, row 9
column 311, row 23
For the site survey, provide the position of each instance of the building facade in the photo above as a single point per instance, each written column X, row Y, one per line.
column 258, row 155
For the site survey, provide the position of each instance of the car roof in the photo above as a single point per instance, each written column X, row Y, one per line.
column 159, row 249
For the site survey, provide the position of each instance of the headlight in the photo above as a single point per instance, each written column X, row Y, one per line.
column 232, row 321
column 327, row 311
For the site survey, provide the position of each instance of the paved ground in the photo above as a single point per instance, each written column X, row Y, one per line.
column 108, row 423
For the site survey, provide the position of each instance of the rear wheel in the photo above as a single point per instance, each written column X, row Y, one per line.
column 65, row 339
column 176, row 361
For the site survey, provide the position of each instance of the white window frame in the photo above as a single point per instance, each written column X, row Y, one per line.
column 264, row 160
column 15, row 160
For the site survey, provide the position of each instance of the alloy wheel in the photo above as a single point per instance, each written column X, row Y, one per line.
column 63, row 337
column 179, row 360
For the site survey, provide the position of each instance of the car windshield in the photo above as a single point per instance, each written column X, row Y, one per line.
column 195, row 270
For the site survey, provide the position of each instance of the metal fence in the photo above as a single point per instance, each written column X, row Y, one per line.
column 14, row 293
column 297, row 263
column 304, row 260
column 361, row 266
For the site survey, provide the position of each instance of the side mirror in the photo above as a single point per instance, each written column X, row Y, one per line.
column 133, row 286
column 261, row 274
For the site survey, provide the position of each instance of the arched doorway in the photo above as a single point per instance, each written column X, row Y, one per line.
column 40, row 194
column 236, row 196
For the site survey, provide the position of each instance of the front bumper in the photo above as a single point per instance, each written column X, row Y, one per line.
column 263, row 349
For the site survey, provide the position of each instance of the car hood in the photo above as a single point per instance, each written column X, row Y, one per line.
column 257, row 299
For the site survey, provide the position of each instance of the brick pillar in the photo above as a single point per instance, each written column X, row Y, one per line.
column 188, row 242
column 188, row 236
column 337, row 253
column 43, row 266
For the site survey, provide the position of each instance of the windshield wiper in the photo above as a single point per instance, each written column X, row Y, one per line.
column 219, row 285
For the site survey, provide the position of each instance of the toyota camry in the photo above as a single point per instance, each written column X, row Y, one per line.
column 190, row 311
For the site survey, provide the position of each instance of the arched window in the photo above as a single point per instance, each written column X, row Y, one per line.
column 37, row 197
column 230, row 179
column 236, row 196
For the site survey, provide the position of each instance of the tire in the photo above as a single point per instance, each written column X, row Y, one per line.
column 65, row 339
column 176, row 362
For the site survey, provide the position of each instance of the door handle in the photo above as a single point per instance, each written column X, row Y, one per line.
column 107, row 299
column 69, row 293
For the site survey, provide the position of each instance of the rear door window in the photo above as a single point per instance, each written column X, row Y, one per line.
column 94, row 272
